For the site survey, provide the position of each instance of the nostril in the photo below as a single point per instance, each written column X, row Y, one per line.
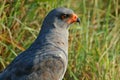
column 75, row 17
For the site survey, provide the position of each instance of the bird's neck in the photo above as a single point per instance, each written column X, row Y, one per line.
column 50, row 38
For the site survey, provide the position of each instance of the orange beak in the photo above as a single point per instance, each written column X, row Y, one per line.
column 73, row 18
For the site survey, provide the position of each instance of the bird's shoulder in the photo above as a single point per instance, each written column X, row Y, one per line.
column 35, row 64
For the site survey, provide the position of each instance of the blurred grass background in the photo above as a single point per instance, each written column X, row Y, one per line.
column 94, row 45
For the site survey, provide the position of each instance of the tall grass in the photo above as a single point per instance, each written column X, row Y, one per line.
column 94, row 45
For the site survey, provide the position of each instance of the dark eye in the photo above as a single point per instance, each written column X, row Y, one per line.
column 64, row 16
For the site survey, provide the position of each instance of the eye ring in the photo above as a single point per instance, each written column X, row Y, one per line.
column 64, row 16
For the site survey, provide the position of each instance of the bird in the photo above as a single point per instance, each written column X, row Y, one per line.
column 47, row 56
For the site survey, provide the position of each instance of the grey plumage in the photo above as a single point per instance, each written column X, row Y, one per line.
column 47, row 57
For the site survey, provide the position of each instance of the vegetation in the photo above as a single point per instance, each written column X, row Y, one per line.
column 94, row 45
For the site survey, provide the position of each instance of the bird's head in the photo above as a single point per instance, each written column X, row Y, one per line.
column 61, row 18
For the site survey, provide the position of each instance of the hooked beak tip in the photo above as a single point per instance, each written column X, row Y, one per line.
column 78, row 20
